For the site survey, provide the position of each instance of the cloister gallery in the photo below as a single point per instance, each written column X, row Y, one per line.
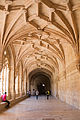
column 40, row 45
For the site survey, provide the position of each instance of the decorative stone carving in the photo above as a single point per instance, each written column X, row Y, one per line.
column 37, row 1
column 78, row 66
column 8, row 2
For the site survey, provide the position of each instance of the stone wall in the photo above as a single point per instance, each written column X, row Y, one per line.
column 69, row 87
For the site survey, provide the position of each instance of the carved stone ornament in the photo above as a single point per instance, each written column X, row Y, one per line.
column 78, row 66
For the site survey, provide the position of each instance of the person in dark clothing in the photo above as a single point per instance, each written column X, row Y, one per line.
column 48, row 93
column 29, row 93
column 37, row 93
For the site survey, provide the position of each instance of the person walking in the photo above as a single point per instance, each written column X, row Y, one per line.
column 4, row 99
column 33, row 92
column 48, row 93
column 29, row 93
column 37, row 93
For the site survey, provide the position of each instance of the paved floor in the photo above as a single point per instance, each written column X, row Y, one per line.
column 41, row 109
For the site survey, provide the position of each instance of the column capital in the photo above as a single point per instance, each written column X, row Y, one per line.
column 6, row 12
column 24, row 10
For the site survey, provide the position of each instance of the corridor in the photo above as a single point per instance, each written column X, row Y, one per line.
column 41, row 109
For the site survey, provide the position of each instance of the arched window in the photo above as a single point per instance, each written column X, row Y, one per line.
column 16, row 84
column 4, row 77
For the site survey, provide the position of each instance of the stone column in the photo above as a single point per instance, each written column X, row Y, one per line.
column 25, row 82
column 5, row 77
column 52, row 84
column 56, row 85
column 0, row 64
column 20, row 80
column 7, row 80
column 0, row 84
column 28, row 84
column 12, row 82
column 1, row 52
column 9, row 83
column 14, row 85
column 56, row 78
column 2, row 78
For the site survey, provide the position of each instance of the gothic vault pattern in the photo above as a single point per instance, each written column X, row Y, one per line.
column 43, row 35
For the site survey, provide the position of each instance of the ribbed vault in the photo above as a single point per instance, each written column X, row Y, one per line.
column 37, row 30
column 41, row 39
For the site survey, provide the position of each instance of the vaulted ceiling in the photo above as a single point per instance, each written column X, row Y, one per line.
column 37, row 29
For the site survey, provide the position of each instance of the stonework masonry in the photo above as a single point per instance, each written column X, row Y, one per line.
column 40, row 38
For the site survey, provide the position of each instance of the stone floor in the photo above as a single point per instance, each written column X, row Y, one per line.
column 41, row 109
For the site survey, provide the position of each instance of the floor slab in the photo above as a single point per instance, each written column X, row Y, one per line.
column 41, row 109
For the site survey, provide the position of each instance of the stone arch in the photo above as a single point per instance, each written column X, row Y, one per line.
column 35, row 81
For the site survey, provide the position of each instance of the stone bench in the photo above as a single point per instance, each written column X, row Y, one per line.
column 12, row 102
column 2, row 106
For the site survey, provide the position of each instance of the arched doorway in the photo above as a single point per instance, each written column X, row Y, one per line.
column 40, row 81
column 43, row 83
